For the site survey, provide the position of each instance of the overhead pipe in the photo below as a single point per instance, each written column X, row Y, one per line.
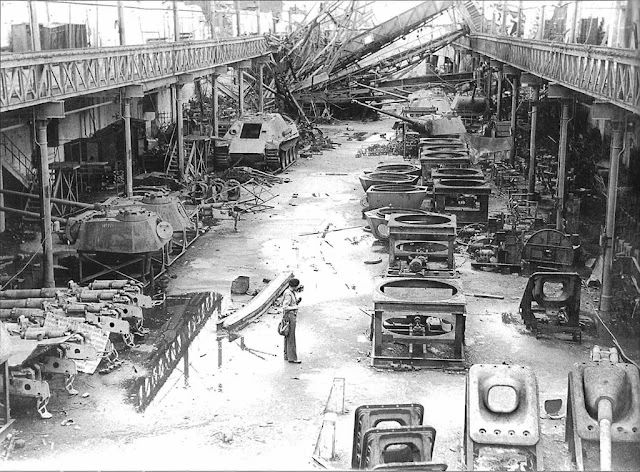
column 30, row 213
column 88, row 206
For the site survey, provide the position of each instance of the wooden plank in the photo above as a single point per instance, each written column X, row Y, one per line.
column 258, row 304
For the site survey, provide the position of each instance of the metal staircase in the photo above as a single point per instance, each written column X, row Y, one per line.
column 16, row 161
column 196, row 150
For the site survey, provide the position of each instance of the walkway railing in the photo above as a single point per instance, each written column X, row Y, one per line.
column 36, row 77
column 608, row 74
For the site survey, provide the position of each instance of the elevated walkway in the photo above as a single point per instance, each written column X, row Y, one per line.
column 608, row 74
column 32, row 78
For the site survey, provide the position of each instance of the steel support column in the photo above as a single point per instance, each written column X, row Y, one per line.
column 179, row 129
column 214, row 104
column 45, row 211
column 532, row 142
column 236, row 4
column 515, row 88
column 612, row 194
column 498, row 68
column 215, row 116
column 121, row 30
column 2, row 215
column 176, row 22
column 499, row 99
column 562, row 164
column 240, row 92
column 488, row 77
column 128, row 160
column 34, row 27
column 260, row 88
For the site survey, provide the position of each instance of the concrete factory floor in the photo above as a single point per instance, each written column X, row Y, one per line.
column 261, row 412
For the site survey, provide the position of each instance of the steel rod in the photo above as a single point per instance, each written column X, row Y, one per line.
column 30, row 213
column 88, row 206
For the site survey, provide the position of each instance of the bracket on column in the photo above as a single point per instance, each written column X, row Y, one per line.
column 497, row 65
column 531, row 79
column 133, row 91
column 50, row 110
column 606, row 111
column 243, row 64
column 262, row 60
column 184, row 79
column 220, row 70
column 510, row 70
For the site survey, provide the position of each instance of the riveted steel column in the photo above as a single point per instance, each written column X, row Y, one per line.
column 498, row 67
column 532, row 141
column 214, row 104
column 215, row 116
column 121, row 31
column 34, row 26
column 45, row 207
column 612, row 194
column 240, row 92
column 499, row 104
column 128, row 160
column 240, row 66
column 562, row 164
column 260, row 88
column 42, row 115
column 515, row 88
column 179, row 129
column 3, row 226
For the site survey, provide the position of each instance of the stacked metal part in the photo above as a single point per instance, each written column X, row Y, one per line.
column 66, row 330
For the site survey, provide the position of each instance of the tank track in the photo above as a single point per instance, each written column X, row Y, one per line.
column 282, row 158
column 221, row 159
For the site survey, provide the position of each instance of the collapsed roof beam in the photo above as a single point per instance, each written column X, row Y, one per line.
column 400, row 60
column 379, row 36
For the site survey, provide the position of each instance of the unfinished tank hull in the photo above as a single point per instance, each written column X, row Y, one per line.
column 457, row 173
column 396, row 195
column 410, row 169
column 263, row 140
column 129, row 231
column 377, row 219
column 379, row 178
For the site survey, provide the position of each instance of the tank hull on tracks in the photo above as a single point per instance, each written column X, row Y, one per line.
column 267, row 140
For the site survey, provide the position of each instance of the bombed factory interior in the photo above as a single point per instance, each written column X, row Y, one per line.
column 307, row 235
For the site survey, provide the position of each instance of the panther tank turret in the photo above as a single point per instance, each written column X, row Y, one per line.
column 266, row 140
column 168, row 208
column 133, row 230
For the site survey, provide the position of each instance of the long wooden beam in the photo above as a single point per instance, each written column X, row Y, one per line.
column 258, row 304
